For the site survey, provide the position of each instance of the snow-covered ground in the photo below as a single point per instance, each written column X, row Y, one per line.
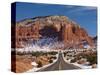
column 34, row 69
column 82, row 66
column 45, row 44
column 35, row 48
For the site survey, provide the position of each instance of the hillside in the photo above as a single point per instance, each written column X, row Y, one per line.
column 61, row 28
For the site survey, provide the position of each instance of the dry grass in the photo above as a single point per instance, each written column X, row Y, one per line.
column 22, row 67
column 43, row 60
column 23, row 64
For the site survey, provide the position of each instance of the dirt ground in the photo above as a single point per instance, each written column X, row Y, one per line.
column 23, row 62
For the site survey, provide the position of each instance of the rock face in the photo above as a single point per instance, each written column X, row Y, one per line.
column 67, row 31
column 74, row 36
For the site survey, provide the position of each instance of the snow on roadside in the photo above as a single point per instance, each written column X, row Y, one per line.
column 82, row 66
column 76, row 64
column 34, row 69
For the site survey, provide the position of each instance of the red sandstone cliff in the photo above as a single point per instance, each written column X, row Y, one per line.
column 67, row 31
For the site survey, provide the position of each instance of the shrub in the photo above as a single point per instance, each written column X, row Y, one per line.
column 39, row 64
column 65, row 54
column 53, row 57
column 37, row 53
column 92, row 59
column 73, row 60
column 50, row 61
column 20, row 53
column 52, row 53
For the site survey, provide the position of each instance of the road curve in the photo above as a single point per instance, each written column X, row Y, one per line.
column 60, row 64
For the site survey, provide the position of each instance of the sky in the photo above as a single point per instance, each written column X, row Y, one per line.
column 85, row 16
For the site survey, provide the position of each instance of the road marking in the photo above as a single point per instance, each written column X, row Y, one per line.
column 60, row 66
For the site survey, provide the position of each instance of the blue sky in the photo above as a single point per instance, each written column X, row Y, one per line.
column 85, row 16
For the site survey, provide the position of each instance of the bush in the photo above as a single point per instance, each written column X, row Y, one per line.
column 54, row 57
column 92, row 59
column 39, row 64
column 52, row 53
column 20, row 53
column 43, row 53
column 50, row 61
column 65, row 54
column 73, row 60
column 37, row 53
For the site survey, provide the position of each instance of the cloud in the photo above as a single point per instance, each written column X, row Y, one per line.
column 78, row 9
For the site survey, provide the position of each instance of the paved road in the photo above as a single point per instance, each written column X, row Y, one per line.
column 60, row 64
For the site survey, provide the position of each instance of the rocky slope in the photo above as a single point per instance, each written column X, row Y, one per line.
column 61, row 27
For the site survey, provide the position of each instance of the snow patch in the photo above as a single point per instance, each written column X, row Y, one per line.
column 82, row 66
column 34, row 69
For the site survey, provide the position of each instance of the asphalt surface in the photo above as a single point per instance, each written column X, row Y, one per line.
column 60, row 64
